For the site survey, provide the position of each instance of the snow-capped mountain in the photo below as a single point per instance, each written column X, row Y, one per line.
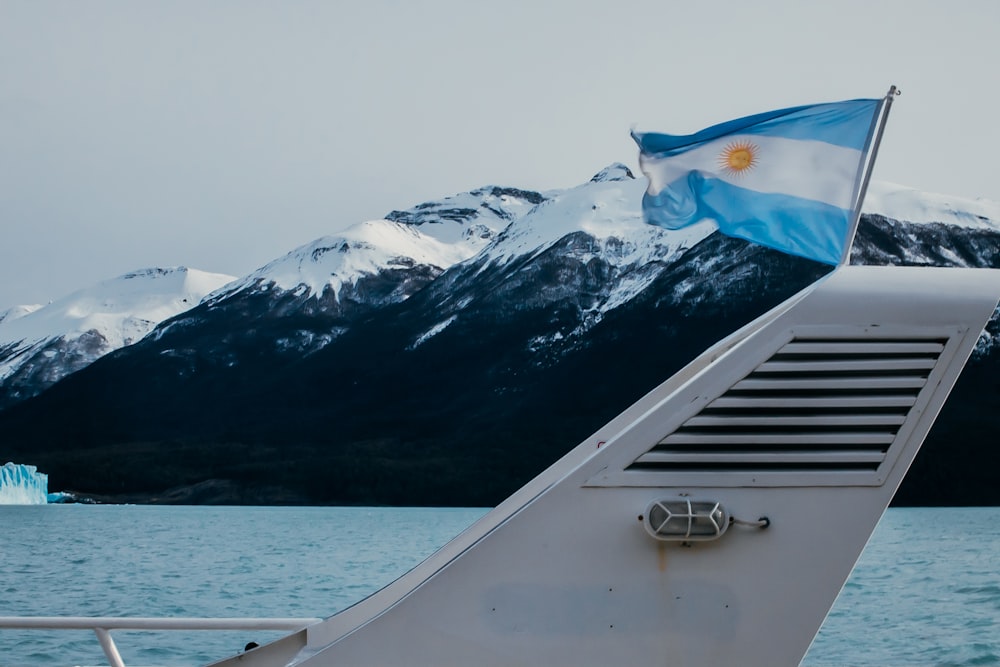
column 425, row 239
column 302, row 301
column 325, row 283
column 39, row 345
column 446, row 353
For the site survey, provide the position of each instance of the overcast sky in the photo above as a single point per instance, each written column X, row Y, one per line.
column 219, row 135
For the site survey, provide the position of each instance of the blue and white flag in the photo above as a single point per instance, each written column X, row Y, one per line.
column 786, row 179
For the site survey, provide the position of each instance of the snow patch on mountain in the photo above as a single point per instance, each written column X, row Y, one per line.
column 475, row 210
column 98, row 319
column 331, row 262
column 613, row 172
column 430, row 333
column 909, row 205
column 608, row 209
column 989, row 340
column 122, row 309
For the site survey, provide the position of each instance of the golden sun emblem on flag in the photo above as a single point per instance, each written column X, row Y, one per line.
column 738, row 157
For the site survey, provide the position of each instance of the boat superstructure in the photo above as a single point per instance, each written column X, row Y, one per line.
column 714, row 521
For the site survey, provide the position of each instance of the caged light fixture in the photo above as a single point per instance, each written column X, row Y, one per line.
column 684, row 520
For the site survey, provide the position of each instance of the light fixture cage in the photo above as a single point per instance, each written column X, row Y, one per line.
column 685, row 520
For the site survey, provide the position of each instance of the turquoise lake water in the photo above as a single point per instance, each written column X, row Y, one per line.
column 926, row 591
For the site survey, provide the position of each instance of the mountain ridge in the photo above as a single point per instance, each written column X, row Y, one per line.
column 428, row 384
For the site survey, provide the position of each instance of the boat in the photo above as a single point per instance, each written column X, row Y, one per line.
column 713, row 522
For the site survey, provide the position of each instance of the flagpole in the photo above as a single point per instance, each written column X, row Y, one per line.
column 883, row 115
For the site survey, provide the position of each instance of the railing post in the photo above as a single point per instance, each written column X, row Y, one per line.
column 103, row 625
column 110, row 650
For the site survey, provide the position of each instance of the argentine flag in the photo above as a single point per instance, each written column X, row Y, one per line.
column 786, row 179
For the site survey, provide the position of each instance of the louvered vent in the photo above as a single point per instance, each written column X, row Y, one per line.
column 816, row 405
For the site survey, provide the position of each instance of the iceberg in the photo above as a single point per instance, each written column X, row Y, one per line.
column 23, row 485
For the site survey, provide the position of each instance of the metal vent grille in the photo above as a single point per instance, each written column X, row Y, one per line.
column 818, row 404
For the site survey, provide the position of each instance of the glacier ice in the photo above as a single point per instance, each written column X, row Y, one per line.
column 23, row 485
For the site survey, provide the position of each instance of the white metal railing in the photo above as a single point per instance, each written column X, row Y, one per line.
column 103, row 625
